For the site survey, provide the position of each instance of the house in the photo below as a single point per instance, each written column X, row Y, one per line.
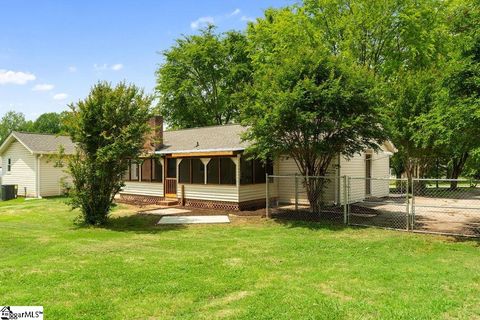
column 27, row 162
column 206, row 167
column 201, row 167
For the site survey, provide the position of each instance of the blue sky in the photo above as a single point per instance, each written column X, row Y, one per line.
column 52, row 52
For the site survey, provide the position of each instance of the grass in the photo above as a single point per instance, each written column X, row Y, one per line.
column 250, row 269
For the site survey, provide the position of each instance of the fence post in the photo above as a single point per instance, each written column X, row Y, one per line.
column 413, row 205
column 345, row 202
column 267, row 198
column 407, row 204
column 296, row 192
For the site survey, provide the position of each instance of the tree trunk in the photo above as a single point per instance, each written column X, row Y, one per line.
column 457, row 168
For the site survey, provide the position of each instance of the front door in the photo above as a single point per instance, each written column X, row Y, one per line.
column 170, row 178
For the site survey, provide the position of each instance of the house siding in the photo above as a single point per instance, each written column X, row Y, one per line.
column 143, row 188
column 355, row 168
column 286, row 166
column 214, row 192
column 52, row 178
column 24, row 169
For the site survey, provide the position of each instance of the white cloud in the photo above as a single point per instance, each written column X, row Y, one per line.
column 72, row 69
column 60, row 96
column 248, row 19
column 235, row 12
column 201, row 22
column 100, row 67
column 43, row 87
column 15, row 77
column 117, row 67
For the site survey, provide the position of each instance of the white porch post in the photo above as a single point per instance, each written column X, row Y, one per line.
column 205, row 162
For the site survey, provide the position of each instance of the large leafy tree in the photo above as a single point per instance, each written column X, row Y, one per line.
column 202, row 79
column 455, row 120
column 50, row 122
column 402, row 41
column 13, row 121
column 308, row 103
column 109, row 127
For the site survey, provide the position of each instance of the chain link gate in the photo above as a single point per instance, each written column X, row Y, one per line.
column 378, row 202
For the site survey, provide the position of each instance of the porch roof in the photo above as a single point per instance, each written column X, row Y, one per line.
column 225, row 138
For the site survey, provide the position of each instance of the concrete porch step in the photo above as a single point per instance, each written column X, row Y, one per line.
column 168, row 202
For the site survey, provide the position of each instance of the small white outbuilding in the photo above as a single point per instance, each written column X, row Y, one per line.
column 27, row 161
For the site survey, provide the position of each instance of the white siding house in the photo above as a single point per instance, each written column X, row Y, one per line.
column 188, row 157
column 27, row 162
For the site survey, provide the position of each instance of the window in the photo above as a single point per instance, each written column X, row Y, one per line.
column 191, row 171
column 221, row 171
column 9, row 164
column 254, row 171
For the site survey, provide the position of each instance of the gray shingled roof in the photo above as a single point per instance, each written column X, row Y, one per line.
column 45, row 143
column 205, row 139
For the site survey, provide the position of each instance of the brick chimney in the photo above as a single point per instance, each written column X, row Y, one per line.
column 154, row 139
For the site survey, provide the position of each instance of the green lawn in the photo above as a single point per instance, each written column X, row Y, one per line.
column 250, row 269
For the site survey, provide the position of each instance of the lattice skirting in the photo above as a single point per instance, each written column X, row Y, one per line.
column 194, row 203
column 140, row 199
column 209, row 204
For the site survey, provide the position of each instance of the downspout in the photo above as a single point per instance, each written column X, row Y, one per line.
column 38, row 176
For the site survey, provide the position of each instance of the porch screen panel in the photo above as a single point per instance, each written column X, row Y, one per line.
column 184, row 171
column 227, row 171
column 147, row 170
column 157, row 173
column 213, row 171
column 198, row 171
column 246, row 171
column 259, row 171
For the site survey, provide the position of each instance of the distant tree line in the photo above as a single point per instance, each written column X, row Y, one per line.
column 51, row 122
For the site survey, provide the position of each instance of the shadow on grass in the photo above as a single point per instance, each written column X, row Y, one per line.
column 139, row 223
column 304, row 219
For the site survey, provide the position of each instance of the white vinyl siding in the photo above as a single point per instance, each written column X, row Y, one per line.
column 23, row 169
column 355, row 168
column 286, row 166
column 143, row 188
column 52, row 178
column 380, row 169
column 213, row 192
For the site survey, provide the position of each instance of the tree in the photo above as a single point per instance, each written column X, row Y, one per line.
column 50, row 122
column 402, row 41
column 308, row 104
column 203, row 78
column 109, row 128
column 12, row 121
column 455, row 119
column 408, row 97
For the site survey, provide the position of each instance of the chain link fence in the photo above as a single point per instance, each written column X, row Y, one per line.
column 379, row 202
column 311, row 198
column 421, row 205
column 446, row 206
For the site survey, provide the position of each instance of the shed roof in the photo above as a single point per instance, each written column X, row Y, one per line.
column 39, row 143
column 204, row 139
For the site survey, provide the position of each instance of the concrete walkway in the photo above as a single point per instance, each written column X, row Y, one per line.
column 193, row 219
